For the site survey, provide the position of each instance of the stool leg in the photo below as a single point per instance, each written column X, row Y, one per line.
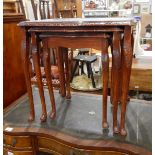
column 88, row 70
column 82, row 70
column 116, row 54
column 74, row 70
column 92, row 76
column 105, row 69
column 47, row 66
column 68, row 96
column 25, row 59
column 36, row 60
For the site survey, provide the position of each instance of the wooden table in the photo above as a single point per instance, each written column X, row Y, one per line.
column 99, row 33
column 64, row 136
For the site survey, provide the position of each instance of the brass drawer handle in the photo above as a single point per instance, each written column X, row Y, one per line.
column 14, row 141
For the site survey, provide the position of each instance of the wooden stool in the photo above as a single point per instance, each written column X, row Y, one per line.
column 88, row 60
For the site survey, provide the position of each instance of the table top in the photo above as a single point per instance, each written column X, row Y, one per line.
column 78, row 22
column 81, row 117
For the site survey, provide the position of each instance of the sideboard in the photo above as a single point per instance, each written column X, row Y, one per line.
column 77, row 128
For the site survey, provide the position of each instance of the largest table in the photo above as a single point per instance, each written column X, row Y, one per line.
column 120, row 32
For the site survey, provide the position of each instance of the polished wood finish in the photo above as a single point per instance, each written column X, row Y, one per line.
column 26, row 62
column 78, row 31
column 13, row 75
column 105, row 71
column 57, row 143
column 99, row 42
column 116, row 78
column 36, row 61
column 47, row 66
column 19, row 142
column 127, row 55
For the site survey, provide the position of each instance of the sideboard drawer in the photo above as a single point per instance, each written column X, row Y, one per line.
column 53, row 146
column 17, row 141
column 58, row 148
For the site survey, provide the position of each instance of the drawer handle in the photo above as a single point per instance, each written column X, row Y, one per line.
column 14, row 141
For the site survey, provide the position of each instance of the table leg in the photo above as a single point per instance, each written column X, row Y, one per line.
column 47, row 67
column 112, row 80
column 116, row 54
column 126, row 71
column 25, row 59
column 36, row 61
column 65, row 52
column 61, row 71
column 105, row 69
column 121, row 72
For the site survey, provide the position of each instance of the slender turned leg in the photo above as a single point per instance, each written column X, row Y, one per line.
column 112, row 79
column 120, row 85
column 61, row 71
column 25, row 59
column 65, row 51
column 120, row 81
column 47, row 66
column 36, row 60
column 126, row 71
column 105, row 68
column 116, row 54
